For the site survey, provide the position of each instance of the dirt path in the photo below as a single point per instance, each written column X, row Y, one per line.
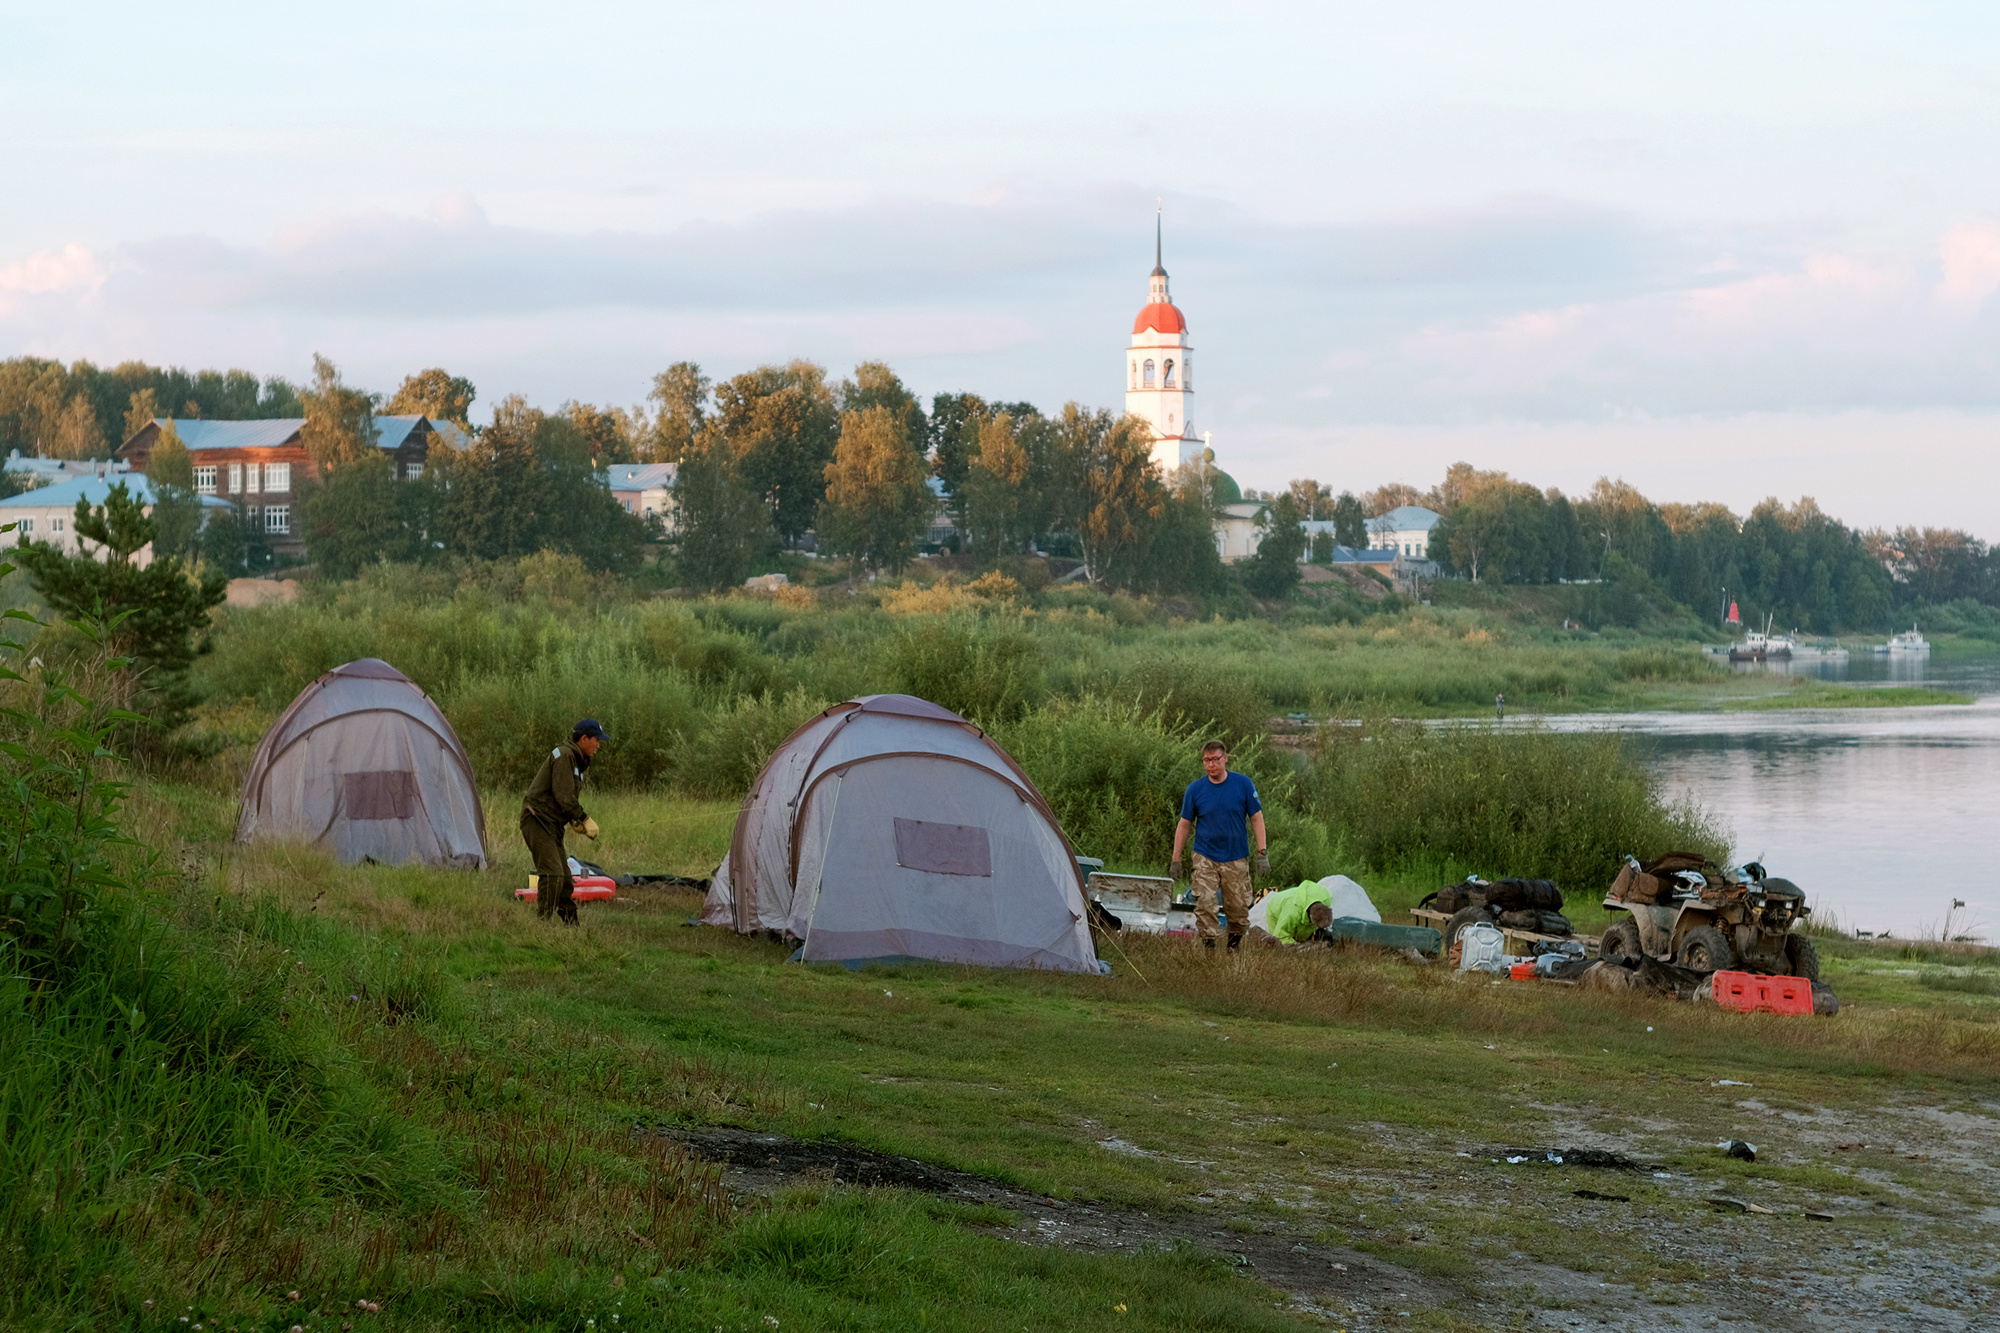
column 1895, row 1260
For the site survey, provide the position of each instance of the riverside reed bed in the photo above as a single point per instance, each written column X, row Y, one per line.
column 419, row 1095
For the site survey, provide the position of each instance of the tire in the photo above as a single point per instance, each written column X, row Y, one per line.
column 1803, row 955
column 1460, row 919
column 1705, row 949
column 1620, row 940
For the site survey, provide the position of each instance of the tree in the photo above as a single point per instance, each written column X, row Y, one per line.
column 359, row 514
column 1313, row 499
column 875, row 385
column 720, row 525
column 526, row 484
column 998, row 511
column 153, row 613
column 1350, row 521
column 1183, row 559
column 781, row 423
column 1273, row 571
column 176, row 507
column 603, row 432
column 680, row 397
column 953, row 438
column 77, row 433
column 1394, row 495
column 340, row 422
column 437, row 394
column 878, row 499
column 1121, row 498
column 140, row 409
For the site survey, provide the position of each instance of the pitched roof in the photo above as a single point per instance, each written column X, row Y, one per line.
column 392, row 432
column 65, row 494
column 270, row 433
column 639, row 476
column 1405, row 518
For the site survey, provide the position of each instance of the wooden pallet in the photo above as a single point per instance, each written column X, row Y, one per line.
column 1526, row 938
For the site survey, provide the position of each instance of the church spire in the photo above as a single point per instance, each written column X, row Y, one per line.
column 1156, row 285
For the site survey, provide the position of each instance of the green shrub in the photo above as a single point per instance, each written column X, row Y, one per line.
column 990, row 674
column 1549, row 805
column 1112, row 773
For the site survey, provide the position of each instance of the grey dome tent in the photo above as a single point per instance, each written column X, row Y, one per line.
column 364, row 764
column 888, row 827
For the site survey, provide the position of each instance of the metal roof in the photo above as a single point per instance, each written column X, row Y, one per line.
column 65, row 494
column 392, row 432
column 197, row 434
column 1406, row 518
column 640, row 476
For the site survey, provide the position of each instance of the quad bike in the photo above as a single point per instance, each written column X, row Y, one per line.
column 1687, row 910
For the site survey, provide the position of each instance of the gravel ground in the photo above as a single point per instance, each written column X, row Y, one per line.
column 1915, row 1246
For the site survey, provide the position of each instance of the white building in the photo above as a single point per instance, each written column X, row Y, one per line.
column 645, row 489
column 47, row 514
column 1159, row 372
column 1406, row 530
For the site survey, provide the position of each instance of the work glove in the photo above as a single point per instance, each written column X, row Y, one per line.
column 1174, row 870
column 587, row 827
column 1263, row 863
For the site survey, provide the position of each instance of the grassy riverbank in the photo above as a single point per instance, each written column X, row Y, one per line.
column 453, row 1136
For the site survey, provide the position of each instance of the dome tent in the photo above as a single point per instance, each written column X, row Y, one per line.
column 363, row 763
column 889, row 827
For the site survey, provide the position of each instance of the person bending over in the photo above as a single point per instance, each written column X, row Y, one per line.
column 551, row 806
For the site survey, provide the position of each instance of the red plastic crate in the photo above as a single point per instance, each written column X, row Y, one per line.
column 589, row 889
column 1523, row 970
column 1746, row 993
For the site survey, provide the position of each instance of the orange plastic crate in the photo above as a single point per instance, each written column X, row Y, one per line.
column 1747, row 993
column 1523, row 970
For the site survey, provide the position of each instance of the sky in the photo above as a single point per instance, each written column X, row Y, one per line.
column 1723, row 251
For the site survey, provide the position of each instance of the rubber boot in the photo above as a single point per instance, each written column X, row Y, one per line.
column 1208, row 943
column 1235, row 940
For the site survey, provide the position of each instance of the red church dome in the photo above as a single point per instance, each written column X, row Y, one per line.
column 1161, row 318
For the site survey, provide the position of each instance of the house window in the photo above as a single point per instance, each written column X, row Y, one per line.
column 278, row 518
column 56, row 525
column 251, row 474
column 27, row 527
column 277, row 478
column 412, row 470
column 204, row 480
column 1170, row 375
column 251, row 518
column 236, row 479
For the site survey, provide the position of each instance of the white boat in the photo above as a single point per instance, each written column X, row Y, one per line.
column 1758, row 646
column 1818, row 652
column 1907, row 644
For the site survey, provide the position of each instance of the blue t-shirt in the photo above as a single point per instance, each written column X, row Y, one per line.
column 1221, row 813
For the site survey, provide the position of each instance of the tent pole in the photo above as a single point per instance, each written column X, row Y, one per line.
column 832, row 817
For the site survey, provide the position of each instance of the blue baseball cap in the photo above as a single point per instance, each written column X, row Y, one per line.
column 588, row 727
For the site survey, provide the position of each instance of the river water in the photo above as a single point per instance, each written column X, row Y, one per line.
column 1885, row 817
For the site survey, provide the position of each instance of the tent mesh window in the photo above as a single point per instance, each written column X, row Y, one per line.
column 943, row 849
column 384, row 795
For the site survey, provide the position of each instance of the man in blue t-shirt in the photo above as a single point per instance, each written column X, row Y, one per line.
column 1221, row 809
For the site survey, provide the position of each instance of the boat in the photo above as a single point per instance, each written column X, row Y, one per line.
column 1760, row 646
column 1818, row 652
column 1907, row 644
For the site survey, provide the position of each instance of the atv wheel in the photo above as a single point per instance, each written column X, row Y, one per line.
column 1705, row 949
column 1620, row 941
column 1803, row 956
column 1462, row 918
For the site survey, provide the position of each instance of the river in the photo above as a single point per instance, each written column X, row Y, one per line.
column 1885, row 817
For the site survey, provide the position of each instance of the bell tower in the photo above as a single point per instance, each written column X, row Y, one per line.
column 1159, row 371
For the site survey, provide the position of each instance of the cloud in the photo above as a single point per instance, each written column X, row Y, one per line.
column 1522, row 308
